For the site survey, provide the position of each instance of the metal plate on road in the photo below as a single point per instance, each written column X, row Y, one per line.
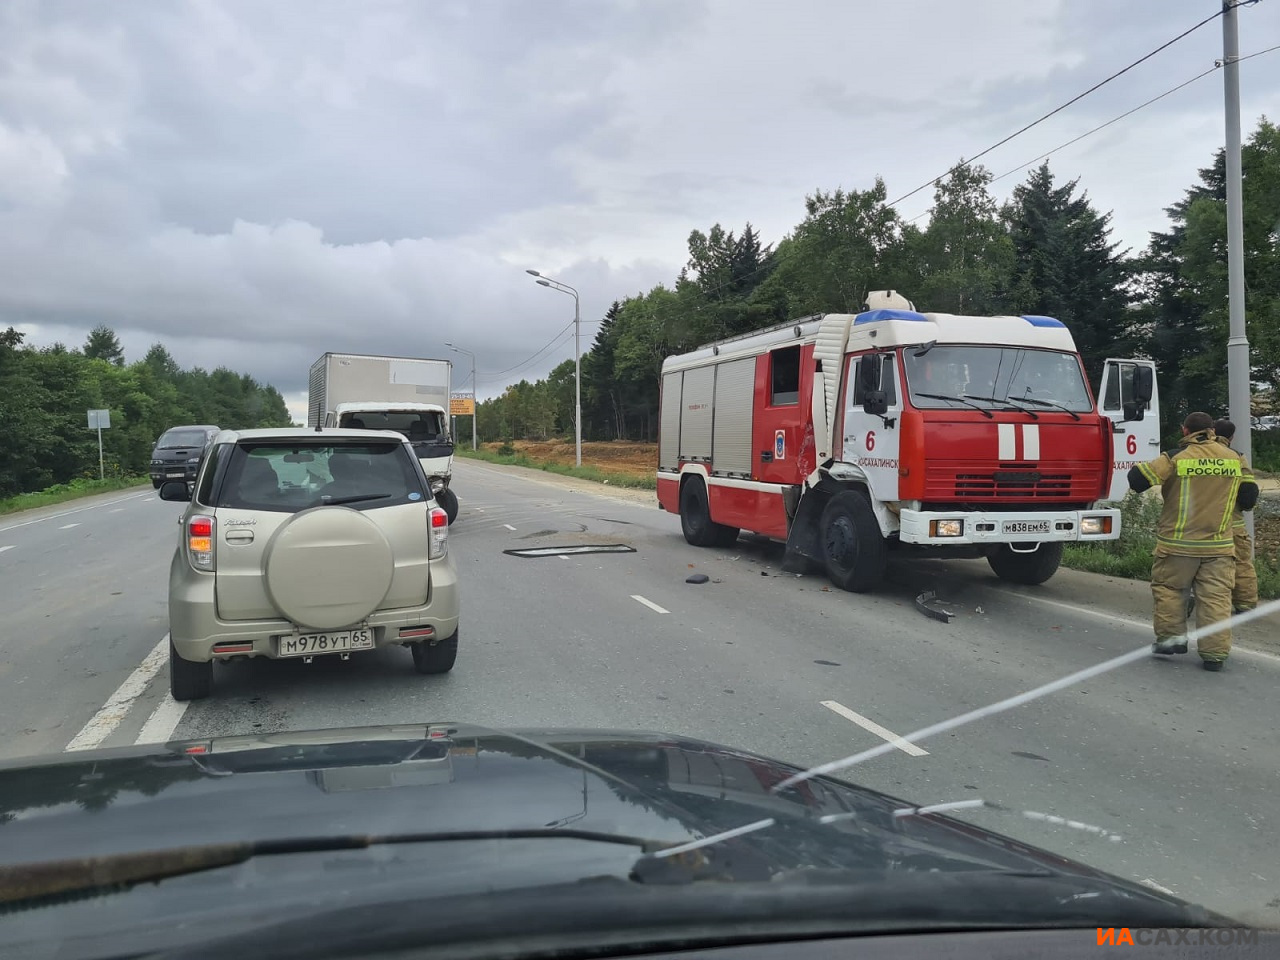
column 317, row 644
column 1026, row 526
column 530, row 553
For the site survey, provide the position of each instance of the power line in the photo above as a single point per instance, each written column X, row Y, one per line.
column 1116, row 119
column 1059, row 109
column 1258, row 54
column 524, row 363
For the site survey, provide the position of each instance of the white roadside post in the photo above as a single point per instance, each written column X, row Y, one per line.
column 100, row 420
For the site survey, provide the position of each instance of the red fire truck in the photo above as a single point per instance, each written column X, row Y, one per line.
column 851, row 435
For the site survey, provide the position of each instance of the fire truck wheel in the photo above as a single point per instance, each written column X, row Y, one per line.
column 695, row 518
column 1026, row 568
column 853, row 549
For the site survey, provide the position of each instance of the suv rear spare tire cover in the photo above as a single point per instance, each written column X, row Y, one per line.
column 328, row 567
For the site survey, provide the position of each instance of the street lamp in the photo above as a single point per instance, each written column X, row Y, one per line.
column 475, row 393
column 577, row 352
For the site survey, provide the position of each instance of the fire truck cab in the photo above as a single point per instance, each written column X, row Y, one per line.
column 851, row 435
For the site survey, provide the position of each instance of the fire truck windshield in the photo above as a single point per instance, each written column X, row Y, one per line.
column 1004, row 373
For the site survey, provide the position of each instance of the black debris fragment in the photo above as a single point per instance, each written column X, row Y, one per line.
column 927, row 603
column 697, row 578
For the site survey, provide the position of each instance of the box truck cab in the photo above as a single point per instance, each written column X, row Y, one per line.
column 404, row 395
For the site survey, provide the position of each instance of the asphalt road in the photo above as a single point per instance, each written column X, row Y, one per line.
column 1180, row 764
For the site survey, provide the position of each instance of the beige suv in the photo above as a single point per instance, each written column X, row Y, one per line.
column 307, row 543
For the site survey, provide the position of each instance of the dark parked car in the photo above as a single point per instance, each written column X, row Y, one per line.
column 178, row 452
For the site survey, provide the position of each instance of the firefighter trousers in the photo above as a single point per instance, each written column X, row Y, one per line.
column 1244, row 596
column 1214, row 578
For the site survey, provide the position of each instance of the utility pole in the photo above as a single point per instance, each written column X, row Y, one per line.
column 475, row 392
column 1238, row 387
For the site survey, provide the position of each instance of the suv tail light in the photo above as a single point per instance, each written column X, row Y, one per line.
column 439, row 534
column 200, row 542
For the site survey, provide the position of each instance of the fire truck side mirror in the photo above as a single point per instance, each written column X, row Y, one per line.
column 875, row 402
column 869, row 372
column 1143, row 386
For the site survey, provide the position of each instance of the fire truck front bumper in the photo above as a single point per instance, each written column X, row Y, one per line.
column 938, row 528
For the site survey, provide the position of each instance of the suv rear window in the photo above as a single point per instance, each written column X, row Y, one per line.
column 288, row 476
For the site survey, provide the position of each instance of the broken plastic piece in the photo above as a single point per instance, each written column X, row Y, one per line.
column 926, row 602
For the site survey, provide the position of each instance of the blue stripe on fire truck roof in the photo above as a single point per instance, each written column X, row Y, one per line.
column 1043, row 321
column 872, row 316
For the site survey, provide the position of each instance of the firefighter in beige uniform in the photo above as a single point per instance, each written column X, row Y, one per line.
column 1244, row 596
column 1205, row 482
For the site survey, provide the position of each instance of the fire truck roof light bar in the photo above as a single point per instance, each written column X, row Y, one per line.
column 876, row 316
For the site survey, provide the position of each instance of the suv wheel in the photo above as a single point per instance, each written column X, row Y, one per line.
column 438, row 658
column 188, row 679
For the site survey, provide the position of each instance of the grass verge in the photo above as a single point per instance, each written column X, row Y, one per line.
column 1129, row 556
column 585, row 472
column 62, row 492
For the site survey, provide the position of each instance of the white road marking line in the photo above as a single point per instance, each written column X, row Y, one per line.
column 1132, row 624
column 67, row 513
column 478, row 509
column 649, row 603
column 562, row 556
column 508, row 526
column 113, row 712
column 9, row 547
column 68, row 526
column 163, row 721
column 148, row 500
column 116, row 510
column 871, row 726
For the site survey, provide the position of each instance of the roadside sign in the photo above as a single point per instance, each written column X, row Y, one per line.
column 100, row 420
column 462, row 405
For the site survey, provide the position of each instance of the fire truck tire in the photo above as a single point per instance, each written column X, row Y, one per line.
column 695, row 518
column 853, row 549
column 1030, row 569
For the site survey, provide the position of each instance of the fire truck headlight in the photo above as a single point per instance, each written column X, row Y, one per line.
column 1095, row 526
column 946, row 528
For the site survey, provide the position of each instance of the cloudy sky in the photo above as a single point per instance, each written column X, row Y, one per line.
column 254, row 183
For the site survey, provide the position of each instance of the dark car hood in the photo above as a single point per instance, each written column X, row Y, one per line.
column 531, row 806
column 454, row 778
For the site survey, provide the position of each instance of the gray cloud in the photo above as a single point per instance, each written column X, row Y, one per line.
column 253, row 184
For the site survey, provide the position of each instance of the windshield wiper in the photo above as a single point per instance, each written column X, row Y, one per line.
column 1050, row 403
column 942, row 396
column 34, row 881
column 356, row 499
column 1030, row 413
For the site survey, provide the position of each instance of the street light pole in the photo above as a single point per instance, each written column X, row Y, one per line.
column 577, row 353
column 475, row 391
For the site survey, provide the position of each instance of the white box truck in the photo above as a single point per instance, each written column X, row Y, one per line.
column 406, row 395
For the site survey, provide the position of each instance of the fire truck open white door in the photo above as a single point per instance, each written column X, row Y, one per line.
column 1135, row 441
